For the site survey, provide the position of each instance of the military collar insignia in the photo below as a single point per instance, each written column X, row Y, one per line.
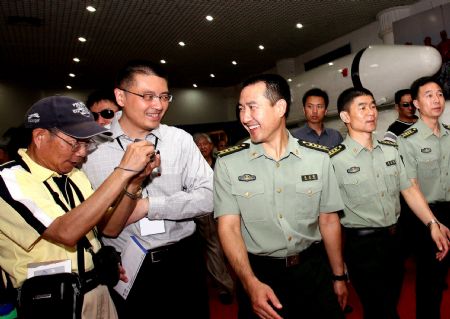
column 233, row 149
column 354, row 169
column 447, row 127
column 313, row 146
column 391, row 162
column 425, row 150
column 390, row 143
column 246, row 178
column 310, row 177
column 409, row 132
column 336, row 150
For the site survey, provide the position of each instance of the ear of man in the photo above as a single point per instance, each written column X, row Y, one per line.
column 345, row 117
column 120, row 97
column 281, row 106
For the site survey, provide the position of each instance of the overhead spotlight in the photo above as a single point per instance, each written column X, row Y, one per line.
column 81, row 39
column 212, row 75
column 162, row 61
column 261, row 47
column 330, row 63
column 91, row 9
column 194, row 85
column 289, row 80
column 209, row 18
column 181, row 43
column 71, row 75
column 299, row 25
column 68, row 87
column 76, row 60
column 234, row 62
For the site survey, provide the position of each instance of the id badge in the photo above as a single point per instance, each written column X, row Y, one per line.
column 151, row 227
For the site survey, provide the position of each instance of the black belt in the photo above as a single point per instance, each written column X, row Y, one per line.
column 162, row 253
column 288, row 261
column 439, row 205
column 90, row 281
column 370, row 231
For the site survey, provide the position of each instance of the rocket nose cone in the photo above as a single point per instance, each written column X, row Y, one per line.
column 431, row 59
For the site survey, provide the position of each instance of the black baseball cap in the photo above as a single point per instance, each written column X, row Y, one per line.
column 66, row 114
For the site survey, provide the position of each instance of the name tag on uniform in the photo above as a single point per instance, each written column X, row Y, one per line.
column 151, row 227
column 426, row 150
column 390, row 163
column 310, row 177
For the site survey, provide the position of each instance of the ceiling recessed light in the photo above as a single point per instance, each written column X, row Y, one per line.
column 289, row 80
column 91, row 9
column 299, row 25
column 76, row 60
column 209, row 18
column 261, row 47
column 163, row 61
column 68, row 87
column 81, row 39
column 194, row 85
column 212, row 75
column 234, row 62
column 181, row 43
column 71, row 75
column 330, row 63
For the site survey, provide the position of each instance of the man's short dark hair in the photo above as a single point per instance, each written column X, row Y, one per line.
column 399, row 94
column 125, row 77
column 346, row 97
column 100, row 95
column 417, row 84
column 316, row 92
column 277, row 88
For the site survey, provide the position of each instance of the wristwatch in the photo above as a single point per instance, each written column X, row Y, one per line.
column 343, row 277
column 134, row 196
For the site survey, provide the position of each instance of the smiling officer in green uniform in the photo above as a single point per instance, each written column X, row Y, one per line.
column 276, row 199
column 371, row 176
column 425, row 149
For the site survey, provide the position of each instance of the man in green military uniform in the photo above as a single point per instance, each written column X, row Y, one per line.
column 276, row 199
column 425, row 149
column 371, row 175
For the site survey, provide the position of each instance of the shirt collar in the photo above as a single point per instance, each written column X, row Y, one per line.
column 425, row 131
column 40, row 172
column 312, row 131
column 292, row 147
column 117, row 131
column 356, row 148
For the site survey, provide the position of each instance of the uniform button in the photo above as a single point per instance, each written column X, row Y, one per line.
column 309, row 192
column 280, row 216
column 247, row 194
column 446, row 174
column 290, row 238
column 278, row 190
column 278, row 164
column 378, row 175
column 382, row 194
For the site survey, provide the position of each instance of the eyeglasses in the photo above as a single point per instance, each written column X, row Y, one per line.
column 163, row 98
column 407, row 104
column 90, row 145
column 106, row 114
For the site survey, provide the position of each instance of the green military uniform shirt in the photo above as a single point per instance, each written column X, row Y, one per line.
column 369, row 182
column 279, row 201
column 426, row 159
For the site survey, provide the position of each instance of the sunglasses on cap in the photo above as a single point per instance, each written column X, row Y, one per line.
column 408, row 104
column 106, row 114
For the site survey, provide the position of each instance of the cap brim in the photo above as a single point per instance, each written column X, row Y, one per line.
column 85, row 130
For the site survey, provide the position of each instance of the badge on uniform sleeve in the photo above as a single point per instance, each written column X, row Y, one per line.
column 246, row 178
column 310, row 177
column 426, row 150
column 390, row 163
column 354, row 169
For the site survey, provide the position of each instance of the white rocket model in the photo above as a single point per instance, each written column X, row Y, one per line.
column 383, row 69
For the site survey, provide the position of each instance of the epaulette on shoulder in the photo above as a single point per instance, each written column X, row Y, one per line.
column 336, row 150
column 409, row 132
column 386, row 142
column 313, row 146
column 233, row 149
column 446, row 126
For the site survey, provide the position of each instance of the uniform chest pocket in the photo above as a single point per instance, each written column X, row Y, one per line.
column 251, row 199
column 391, row 177
column 428, row 168
column 357, row 189
column 308, row 199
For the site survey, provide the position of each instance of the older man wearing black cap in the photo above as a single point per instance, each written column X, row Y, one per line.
column 47, row 205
